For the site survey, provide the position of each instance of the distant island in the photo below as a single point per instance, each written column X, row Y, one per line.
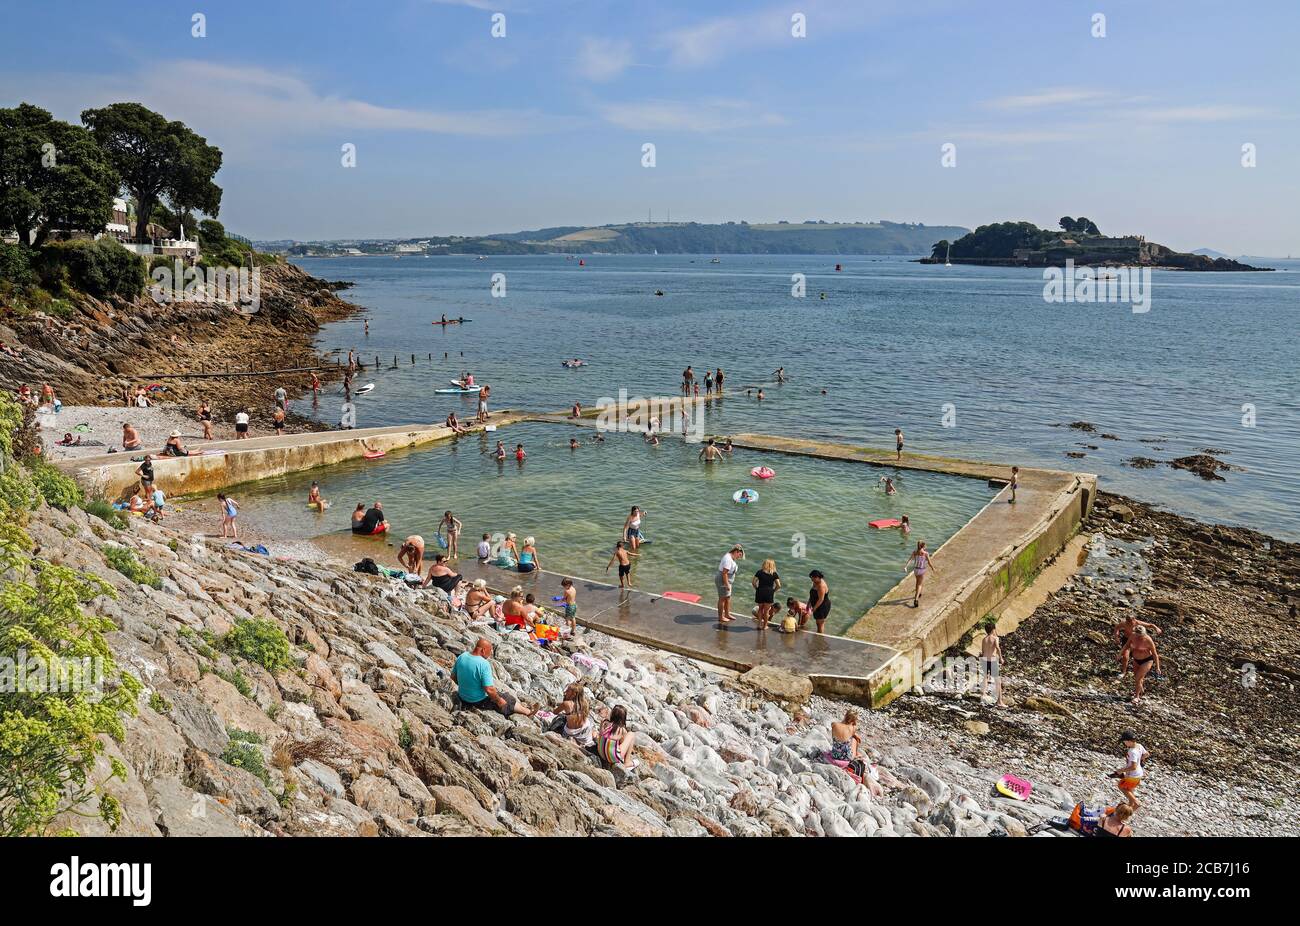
column 816, row 237
column 1023, row 244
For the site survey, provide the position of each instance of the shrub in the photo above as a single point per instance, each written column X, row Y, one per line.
column 58, row 490
column 242, row 752
column 17, row 492
column 260, row 640
column 50, row 738
column 159, row 704
column 123, row 560
column 100, row 268
column 105, row 512
column 16, row 265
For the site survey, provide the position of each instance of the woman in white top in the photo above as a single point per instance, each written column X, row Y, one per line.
column 241, row 425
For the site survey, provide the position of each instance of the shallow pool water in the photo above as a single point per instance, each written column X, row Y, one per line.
column 812, row 515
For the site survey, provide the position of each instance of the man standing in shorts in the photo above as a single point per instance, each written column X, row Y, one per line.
column 898, row 443
column 723, row 579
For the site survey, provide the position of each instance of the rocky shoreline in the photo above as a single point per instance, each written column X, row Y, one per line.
column 100, row 348
column 360, row 735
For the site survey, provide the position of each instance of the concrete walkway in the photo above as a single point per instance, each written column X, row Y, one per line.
column 837, row 665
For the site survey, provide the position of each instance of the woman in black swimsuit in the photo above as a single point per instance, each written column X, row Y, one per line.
column 766, row 582
column 441, row 576
column 819, row 600
column 205, row 418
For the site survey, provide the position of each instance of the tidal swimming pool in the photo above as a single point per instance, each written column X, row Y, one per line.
column 812, row 515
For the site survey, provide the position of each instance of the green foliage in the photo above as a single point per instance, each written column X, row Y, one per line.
column 156, row 158
column 17, row 492
column 159, row 704
column 53, row 175
column 238, row 679
column 105, row 512
column 100, row 268
column 261, row 641
column 405, row 738
column 123, row 560
column 16, row 265
column 242, row 752
column 11, row 423
column 58, row 490
column 996, row 241
column 50, row 731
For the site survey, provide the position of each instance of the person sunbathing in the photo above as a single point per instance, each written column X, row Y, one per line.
column 442, row 576
column 173, row 447
column 478, row 603
column 136, row 503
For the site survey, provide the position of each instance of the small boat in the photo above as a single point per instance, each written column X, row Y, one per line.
column 947, row 262
column 716, row 260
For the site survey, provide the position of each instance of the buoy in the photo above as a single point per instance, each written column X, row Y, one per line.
column 838, row 268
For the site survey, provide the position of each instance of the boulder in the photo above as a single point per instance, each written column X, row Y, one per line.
column 778, row 684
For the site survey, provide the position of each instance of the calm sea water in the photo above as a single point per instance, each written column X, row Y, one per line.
column 892, row 344
column 812, row 515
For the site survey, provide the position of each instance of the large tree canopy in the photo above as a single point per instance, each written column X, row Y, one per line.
column 1079, row 226
column 52, row 175
column 157, row 159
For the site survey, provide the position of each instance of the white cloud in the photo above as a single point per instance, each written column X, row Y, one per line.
column 244, row 108
column 602, row 59
column 1056, row 96
column 714, row 115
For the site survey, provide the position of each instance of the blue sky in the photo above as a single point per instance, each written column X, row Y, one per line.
column 460, row 132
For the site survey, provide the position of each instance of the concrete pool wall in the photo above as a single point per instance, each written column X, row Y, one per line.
column 991, row 558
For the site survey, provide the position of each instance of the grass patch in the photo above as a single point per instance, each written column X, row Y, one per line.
column 239, row 680
column 105, row 512
column 242, row 752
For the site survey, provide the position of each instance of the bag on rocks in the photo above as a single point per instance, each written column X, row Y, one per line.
column 368, row 566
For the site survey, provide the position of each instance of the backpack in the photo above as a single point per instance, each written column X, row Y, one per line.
column 1085, row 820
column 368, row 566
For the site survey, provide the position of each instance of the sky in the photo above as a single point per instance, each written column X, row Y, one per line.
column 459, row 131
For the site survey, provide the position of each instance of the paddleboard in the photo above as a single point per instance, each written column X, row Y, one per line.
column 368, row 387
column 682, row 596
column 456, row 391
column 489, row 427
column 459, row 385
column 1013, row 787
column 374, row 454
column 884, row 522
column 762, row 472
column 744, row 496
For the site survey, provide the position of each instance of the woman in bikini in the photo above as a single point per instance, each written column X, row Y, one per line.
column 921, row 557
column 616, row 742
column 478, row 603
column 1141, row 648
column 451, row 526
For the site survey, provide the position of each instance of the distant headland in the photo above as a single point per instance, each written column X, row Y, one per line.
column 1023, row 244
column 815, row 237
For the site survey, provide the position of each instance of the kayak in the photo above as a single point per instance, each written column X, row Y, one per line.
column 453, row 321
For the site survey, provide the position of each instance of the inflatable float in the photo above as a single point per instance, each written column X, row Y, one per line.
column 688, row 597
column 744, row 496
column 762, row 472
column 1013, row 787
column 373, row 454
column 881, row 523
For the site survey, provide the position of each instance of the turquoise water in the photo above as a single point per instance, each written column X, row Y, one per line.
column 575, row 502
column 893, row 344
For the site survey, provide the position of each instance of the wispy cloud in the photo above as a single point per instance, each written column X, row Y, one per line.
column 1055, row 96
column 709, row 115
column 244, row 108
column 602, row 59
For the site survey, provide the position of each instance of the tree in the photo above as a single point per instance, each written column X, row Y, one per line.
column 156, row 158
column 1067, row 223
column 1086, row 226
column 52, row 176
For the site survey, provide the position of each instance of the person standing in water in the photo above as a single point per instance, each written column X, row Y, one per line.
column 632, row 528
column 688, row 380
column 766, row 584
column 711, row 453
column 483, row 395
column 898, row 443
column 717, row 380
column 819, row 600
column 314, row 499
column 923, row 565
column 708, row 382
column 451, row 526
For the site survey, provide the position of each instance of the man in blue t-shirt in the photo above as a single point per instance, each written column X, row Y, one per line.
column 473, row 676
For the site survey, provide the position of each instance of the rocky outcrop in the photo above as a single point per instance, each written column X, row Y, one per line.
column 361, row 735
